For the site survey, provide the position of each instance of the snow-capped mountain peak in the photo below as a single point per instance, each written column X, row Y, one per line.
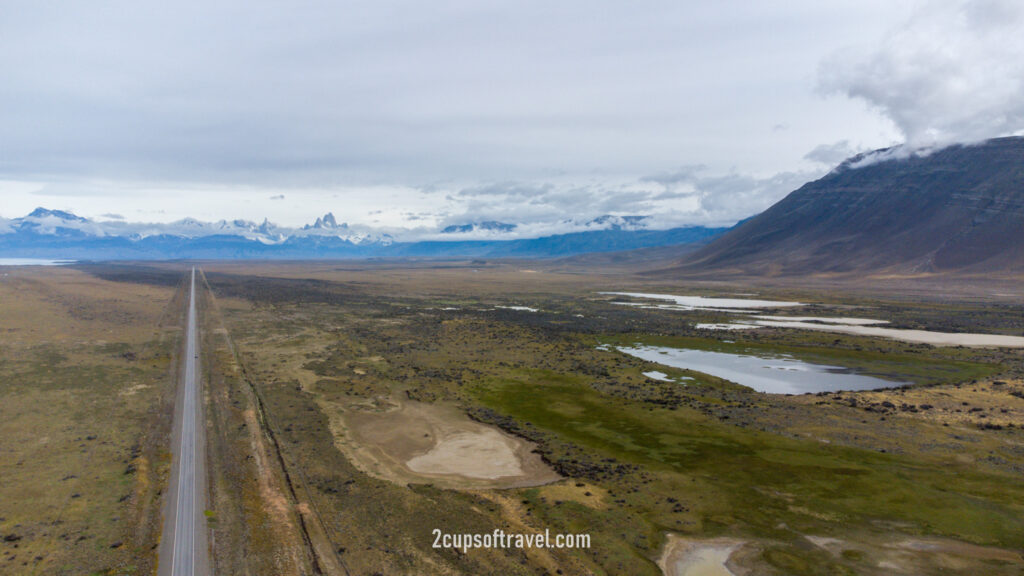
column 488, row 226
column 40, row 213
column 61, row 234
column 42, row 221
column 614, row 222
column 56, row 222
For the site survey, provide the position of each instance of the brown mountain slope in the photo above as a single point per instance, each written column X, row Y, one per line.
column 957, row 209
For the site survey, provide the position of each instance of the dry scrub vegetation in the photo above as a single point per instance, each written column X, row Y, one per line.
column 340, row 395
column 84, row 414
column 817, row 484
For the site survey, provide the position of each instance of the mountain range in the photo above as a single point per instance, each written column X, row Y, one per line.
column 957, row 209
column 62, row 235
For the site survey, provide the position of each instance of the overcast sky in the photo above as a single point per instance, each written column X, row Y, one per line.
column 420, row 114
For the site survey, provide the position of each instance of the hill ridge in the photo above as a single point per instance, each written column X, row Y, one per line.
column 957, row 208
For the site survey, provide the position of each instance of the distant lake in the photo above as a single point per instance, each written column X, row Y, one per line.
column 773, row 374
column 33, row 262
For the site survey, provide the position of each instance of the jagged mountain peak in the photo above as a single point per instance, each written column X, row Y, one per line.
column 325, row 222
column 50, row 234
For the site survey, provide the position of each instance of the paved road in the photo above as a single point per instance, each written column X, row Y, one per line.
column 183, row 549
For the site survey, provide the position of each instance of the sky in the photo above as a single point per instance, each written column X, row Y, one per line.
column 412, row 115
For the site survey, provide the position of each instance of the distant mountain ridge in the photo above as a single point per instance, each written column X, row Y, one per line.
column 489, row 226
column 59, row 223
column 57, row 234
column 959, row 208
column 603, row 222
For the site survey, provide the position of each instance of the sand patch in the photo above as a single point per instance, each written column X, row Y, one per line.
column 133, row 389
column 686, row 557
column 918, row 555
column 406, row 441
column 957, row 548
column 484, row 454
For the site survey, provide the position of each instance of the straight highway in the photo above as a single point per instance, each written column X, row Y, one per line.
column 183, row 548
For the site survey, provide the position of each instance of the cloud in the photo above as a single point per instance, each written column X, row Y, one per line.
column 832, row 154
column 684, row 175
column 506, row 189
column 731, row 197
column 724, row 198
column 456, row 111
column 953, row 72
column 689, row 195
column 401, row 94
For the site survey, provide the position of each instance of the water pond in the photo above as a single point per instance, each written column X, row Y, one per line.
column 773, row 374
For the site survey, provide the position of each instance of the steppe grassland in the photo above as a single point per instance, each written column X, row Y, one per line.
column 706, row 460
column 378, row 525
column 84, row 368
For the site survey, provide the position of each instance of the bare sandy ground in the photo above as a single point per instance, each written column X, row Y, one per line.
column 687, row 557
column 921, row 555
column 405, row 441
column 897, row 555
column 483, row 454
column 860, row 327
column 917, row 336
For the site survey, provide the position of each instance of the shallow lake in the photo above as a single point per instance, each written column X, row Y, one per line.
column 776, row 374
column 843, row 325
